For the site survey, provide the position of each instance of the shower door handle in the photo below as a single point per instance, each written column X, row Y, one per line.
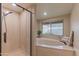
column 5, row 37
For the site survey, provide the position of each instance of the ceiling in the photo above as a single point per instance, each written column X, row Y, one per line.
column 16, row 8
column 52, row 9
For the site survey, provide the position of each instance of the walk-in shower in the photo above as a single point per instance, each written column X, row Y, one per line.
column 16, row 30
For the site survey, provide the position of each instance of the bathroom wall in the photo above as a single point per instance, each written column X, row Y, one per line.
column 65, row 18
column 75, row 26
column 12, row 22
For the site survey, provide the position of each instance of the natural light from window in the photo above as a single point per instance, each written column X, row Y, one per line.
column 53, row 28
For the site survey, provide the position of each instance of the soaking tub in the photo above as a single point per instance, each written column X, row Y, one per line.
column 52, row 47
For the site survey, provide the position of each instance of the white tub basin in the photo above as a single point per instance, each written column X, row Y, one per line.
column 48, row 42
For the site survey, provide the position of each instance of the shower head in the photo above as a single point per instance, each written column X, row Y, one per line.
column 5, row 14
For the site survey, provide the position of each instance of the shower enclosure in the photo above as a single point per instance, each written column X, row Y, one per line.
column 16, row 34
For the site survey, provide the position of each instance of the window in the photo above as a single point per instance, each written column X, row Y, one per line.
column 46, row 28
column 55, row 28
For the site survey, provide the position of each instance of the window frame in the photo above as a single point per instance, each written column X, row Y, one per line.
column 50, row 26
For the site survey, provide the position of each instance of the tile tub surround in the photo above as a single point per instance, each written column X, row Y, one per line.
column 46, row 51
column 52, row 47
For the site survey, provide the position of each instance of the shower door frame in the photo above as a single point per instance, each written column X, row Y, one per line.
column 30, row 28
column 0, row 29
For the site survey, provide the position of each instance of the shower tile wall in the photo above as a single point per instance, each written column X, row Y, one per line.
column 12, row 21
column 25, row 31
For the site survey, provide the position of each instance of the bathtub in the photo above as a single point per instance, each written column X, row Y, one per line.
column 52, row 47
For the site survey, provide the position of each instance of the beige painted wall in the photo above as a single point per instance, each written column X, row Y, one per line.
column 65, row 18
column 12, row 22
column 75, row 26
